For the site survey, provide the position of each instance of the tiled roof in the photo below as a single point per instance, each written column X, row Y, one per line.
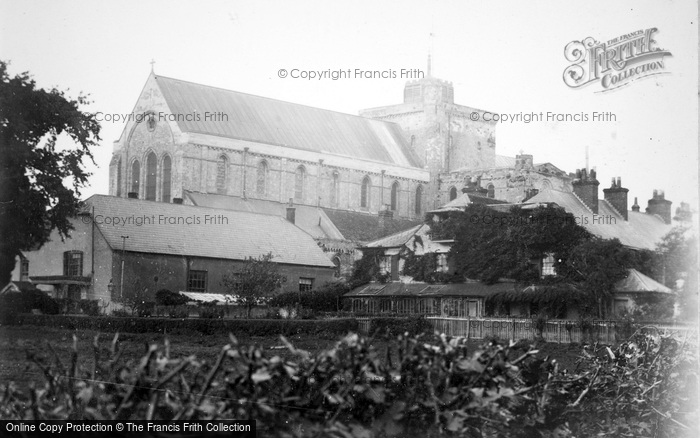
column 364, row 227
column 638, row 282
column 160, row 228
column 313, row 220
column 641, row 231
column 396, row 289
column 270, row 121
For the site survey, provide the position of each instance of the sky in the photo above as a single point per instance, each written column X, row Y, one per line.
column 504, row 57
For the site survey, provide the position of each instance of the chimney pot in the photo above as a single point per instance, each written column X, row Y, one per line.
column 660, row 206
column 635, row 207
column 617, row 197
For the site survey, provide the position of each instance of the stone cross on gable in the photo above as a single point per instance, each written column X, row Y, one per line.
column 153, row 61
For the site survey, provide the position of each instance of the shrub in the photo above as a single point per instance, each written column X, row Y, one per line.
column 90, row 307
column 179, row 312
column 24, row 302
column 211, row 312
column 165, row 297
column 327, row 298
column 121, row 313
column 145, row 309
column 426, row 390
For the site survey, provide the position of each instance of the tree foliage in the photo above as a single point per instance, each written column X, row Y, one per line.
column 678, row 260
column 490, row 245
column 33, row 197
column 255, row 280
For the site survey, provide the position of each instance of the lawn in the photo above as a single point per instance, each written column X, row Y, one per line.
column 17, row 341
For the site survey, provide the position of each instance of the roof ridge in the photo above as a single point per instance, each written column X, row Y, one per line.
column 272, row 98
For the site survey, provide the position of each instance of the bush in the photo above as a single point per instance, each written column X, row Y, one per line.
column 24, row 302
column 165, row 297
column 132, row 324
column 90, row 307
column 328, row 298
column 429, row 390
column 145, row 309
column 179, row 312
column 211, row 312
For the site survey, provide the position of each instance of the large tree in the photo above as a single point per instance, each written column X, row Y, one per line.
column 254, row 281
column 39, row 181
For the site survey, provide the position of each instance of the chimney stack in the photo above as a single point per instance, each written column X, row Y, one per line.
column 660, row 206
column 291, row 211
column 635, row 207
column 586, row 188
column 616, row 195
column 385, row 218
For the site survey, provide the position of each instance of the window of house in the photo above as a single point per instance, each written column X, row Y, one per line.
column 197, row 281
column 262, row 178
column 135, row 176
column 364, row 192
column 453, row 193
column 73, row 263
column 419, row 199
column 221, row 174
column 491, row 191
column 151, row 169
column 442, row 263
column 165, row 189
column 395, row 196
column 299, row 180
column 548, row 265
column 385, row 265
column 24, row 270
column 335, row 189
column 306, row 284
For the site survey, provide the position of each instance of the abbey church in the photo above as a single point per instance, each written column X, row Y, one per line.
column 195, row 144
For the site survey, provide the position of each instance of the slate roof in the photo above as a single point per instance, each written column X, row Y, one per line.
column 397, row 289
column 641, row 231
column 638, row 282
column 18, row 286
column 396, row 240
column 461, row 201
column 364, row 227
column 201, row 232
column 313, row 220
column 270, row 121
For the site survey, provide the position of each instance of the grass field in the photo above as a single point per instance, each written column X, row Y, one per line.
column 17, row 341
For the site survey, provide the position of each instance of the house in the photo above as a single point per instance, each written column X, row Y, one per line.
column 607, row 218
column 120, row 243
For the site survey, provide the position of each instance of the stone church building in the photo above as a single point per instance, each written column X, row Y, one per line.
column 350, row 179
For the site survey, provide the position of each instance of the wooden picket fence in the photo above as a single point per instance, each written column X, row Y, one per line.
column 557, row 331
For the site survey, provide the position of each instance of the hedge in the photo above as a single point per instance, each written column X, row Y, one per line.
column 257, row 327
column 392, row 327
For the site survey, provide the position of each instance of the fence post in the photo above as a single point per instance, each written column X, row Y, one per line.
column 513, row 336
column 468, row 326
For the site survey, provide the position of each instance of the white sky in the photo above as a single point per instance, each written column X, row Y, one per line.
column 506, row 57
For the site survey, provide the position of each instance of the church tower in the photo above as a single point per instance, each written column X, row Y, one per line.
column 444, row 135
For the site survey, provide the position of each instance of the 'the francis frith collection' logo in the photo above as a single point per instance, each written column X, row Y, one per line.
column 614, row 63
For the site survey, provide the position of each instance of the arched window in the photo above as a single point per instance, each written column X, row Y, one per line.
column 262, row 178
column 299, row 179
column 419, row 199
column 453, row 193
column 165, row 182
column 119, row 177
column 365, row 191
column 395, row 196
column 491, row 191
column 135, row 176
column 221, row 174
column 335, row 189
column 151, row 169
